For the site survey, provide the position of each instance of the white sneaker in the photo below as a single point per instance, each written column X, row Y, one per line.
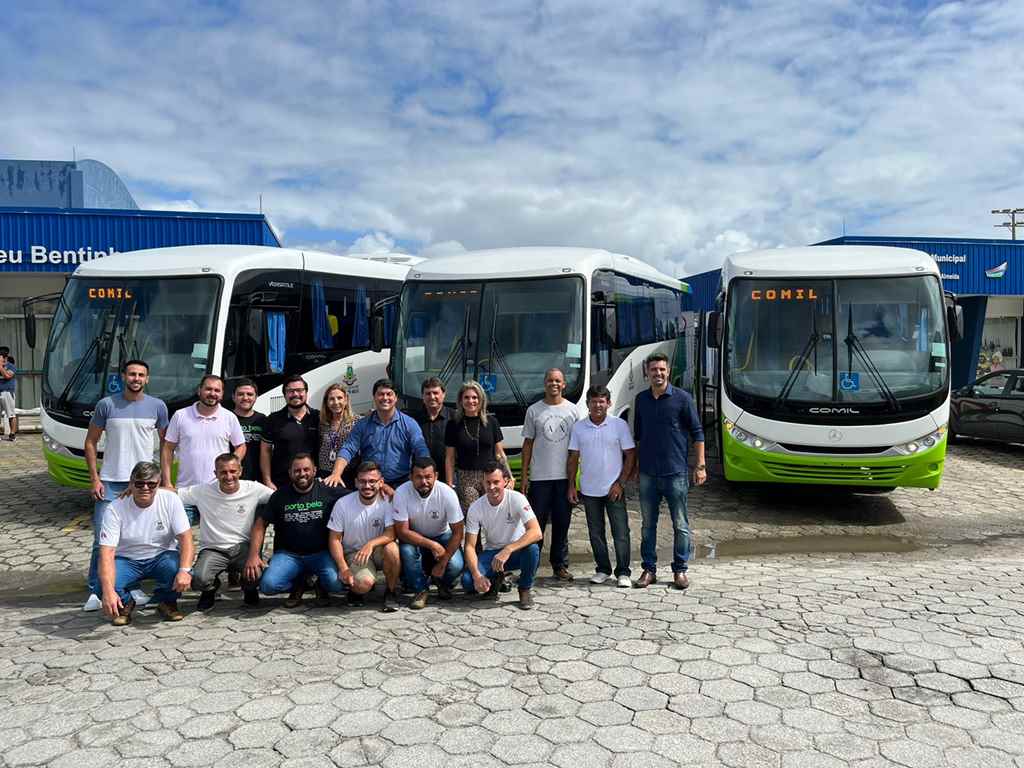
column 140, row 598
column 599, row 578
column 92, row 604
column 625, row 582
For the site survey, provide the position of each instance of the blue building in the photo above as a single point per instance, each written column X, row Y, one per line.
column 987, row 277
column 54, row 215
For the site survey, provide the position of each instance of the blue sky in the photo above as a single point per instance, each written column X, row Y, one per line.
column 673, row 134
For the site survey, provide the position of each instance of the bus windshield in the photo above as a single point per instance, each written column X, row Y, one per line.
column 505, row 334
column 848, row 340
column 101, row 322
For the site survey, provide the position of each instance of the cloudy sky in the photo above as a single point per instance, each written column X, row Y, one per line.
column 675, row 132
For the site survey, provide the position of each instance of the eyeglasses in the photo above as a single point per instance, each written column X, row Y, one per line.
column 147, row 484
column 294, row 391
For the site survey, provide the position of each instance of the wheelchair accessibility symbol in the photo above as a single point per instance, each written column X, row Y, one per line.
column 849, row 381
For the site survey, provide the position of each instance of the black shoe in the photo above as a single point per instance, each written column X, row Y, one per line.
column 505, row 582
column 444, row 592
column 354, row 600
column 323, row 597
column 294, row 599
column 251, row 598
column 498, row 584
column 390, row 601
column 207, row 598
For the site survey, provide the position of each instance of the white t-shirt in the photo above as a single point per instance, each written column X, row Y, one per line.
column 225, row 519
column 549, row 427
column 600, row 447
column 139, row 533
column 359, row 523
column 502, row 524
column 431, row 516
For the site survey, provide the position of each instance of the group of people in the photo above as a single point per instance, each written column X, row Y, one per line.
column 423, row 501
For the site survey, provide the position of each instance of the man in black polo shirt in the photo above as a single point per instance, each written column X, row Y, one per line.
column 287, row 433
column 434, row 420
column 299, row 512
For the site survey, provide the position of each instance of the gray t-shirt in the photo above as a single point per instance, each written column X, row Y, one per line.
column 359, row 523
column 131, row 429
column 549, row 426
column 432, row 516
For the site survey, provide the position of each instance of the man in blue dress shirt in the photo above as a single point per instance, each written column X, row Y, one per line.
column 387, row 437
column 665, row 419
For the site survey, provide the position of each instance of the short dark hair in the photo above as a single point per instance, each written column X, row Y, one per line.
column 367, row 466
column 134, row 361
column 224, row 458
column 599, row 390
column 424, row 462
column 384, row 383
column 496, row 466
column 301, row 456
column 656, row 357
column 294, row 377
column 7, row 351
column 245, row 383
column 209, row 376
column 430, row 383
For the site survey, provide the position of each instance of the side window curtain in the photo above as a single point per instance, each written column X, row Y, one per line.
column 277, row 335
column 323, row 336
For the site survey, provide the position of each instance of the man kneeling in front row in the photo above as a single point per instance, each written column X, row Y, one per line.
column 362, row 539
column 145, row 535
column 511, row 536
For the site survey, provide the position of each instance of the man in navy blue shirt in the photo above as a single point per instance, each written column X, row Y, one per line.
column 664, row 420
column 387, row 437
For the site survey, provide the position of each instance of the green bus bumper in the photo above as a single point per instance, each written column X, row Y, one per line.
column 746, row 464
column 69, row 471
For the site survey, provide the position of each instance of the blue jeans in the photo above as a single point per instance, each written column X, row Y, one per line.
column 417, row 562
column 550, row 502
column 596, row 507
column 128, row 575
column 111, row 490
column 286, row 568
column 192, row 513
column 524, row 560
column 673, row 489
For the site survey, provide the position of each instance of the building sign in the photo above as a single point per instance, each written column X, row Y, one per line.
column 40, row 254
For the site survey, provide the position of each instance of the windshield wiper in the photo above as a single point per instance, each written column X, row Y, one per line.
column 497, row 356
column 73, row 379
column 787, row 387
column 856, row 345
column 458, row 352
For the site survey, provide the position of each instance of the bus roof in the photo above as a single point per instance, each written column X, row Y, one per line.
column 829, row 261
column 512, row 263
column 229, row 260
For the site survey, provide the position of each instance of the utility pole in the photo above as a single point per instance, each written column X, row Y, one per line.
column 1012, row 224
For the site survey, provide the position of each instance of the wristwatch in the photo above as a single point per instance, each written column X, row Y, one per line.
column 186, row 570
column 701, row 466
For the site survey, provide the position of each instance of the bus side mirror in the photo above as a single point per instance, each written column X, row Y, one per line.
column 714, row 330
column 30, row 327
column 377, row 333
column 955, row 320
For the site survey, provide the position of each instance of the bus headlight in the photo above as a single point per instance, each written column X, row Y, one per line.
column 922, row 443
column 747, row 438
column 55, row 447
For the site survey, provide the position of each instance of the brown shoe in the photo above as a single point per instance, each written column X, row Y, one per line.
column 294, row 599
column 419, row 602
column 496, row 586
column 646, row 579
column 124, row 618
column 169, row 612
column 563, row 574
column 525, row 600
column 680, row 581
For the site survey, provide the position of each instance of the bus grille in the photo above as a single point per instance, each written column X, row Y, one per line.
column 77, row 474
column 835, row 473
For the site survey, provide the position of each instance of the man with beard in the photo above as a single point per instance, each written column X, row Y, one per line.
column 288, row 432
column 362, row 539
column 134, row 424
column 227, row 510
column 429, row 526
column 253, row 423
column 199, row 434
column 299, row 512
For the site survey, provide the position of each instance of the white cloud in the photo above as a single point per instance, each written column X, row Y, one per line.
column 672, row 134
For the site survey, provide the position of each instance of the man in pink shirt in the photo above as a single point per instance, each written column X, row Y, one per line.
column 199, row 434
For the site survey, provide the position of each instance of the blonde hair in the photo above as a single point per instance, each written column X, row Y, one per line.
column 466, row 386
column 347, row 417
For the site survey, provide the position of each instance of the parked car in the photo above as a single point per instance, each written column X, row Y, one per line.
column 992, row 408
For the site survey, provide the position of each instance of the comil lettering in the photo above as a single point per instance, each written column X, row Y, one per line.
column 784, row 294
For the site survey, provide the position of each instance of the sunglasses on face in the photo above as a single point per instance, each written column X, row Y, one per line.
column 147, row 484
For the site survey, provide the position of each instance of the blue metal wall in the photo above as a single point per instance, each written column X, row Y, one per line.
column 26, row 234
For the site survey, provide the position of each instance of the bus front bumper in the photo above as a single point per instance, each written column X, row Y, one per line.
column 746, row 464
column 69, row 471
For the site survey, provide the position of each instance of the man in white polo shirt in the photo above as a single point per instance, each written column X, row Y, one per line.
column 361, row 539
column 199, row 434
column 429, row 526
column 511, row 538
column 227, row 508
column 606, row 448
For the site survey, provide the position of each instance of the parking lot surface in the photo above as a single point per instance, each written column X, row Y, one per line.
column 829, row 629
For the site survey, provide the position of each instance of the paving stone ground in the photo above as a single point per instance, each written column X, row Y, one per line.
column 820, row 659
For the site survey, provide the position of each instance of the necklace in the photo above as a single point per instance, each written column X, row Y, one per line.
column 475, row 437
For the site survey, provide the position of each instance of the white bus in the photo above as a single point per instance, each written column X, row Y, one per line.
column 834, row 366
column 504, row 317
column 239, row 311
